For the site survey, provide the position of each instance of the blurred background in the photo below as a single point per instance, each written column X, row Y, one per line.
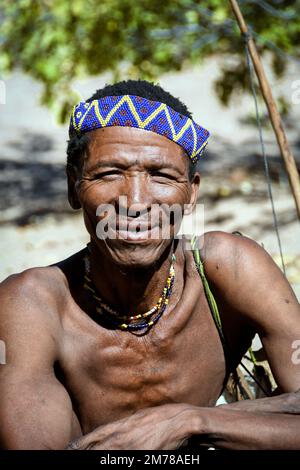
column 54, row 53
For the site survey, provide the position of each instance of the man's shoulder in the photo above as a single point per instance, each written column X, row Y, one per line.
column 242, row 273
column 31, row 318
column 230, row 259
column 33, row 294
column 226, row 247
column 38, row 281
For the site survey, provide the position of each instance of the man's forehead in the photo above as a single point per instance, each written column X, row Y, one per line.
column 131, row 135
column 124, row 140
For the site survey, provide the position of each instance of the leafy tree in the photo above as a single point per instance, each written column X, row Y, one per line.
column 56, row 41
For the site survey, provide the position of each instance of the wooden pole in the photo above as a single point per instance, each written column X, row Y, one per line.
column 274, row 115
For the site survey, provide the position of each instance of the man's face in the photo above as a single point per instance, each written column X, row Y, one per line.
column 140, row 175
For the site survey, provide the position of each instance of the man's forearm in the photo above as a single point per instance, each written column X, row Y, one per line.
column 161, row 427
column 270, row 423
column 287, row 403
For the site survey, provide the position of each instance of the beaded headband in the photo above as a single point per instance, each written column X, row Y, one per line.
column 134, row 111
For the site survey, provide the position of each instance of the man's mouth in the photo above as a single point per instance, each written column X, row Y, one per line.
column 136, row 230
column 133, row 225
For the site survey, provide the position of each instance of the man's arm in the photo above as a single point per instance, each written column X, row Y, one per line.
column 35, row 409
column 168, row 427
column 252, row 288
column 230, row 427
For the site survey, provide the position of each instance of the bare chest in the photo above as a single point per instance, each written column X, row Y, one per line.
column 110, row 374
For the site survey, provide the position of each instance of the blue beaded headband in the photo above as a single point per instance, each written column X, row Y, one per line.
column 134, row 111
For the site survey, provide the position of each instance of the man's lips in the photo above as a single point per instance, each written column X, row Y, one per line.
column 136, row 230
column 134, row 236
column 134, row 225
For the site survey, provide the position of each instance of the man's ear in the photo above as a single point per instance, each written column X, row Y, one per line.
column 72, row 177
column 195, row 184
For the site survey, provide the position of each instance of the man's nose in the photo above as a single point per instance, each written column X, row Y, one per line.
column 137, row 196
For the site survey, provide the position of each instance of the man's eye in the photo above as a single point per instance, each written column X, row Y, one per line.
column 162, row 174
column 103, row 174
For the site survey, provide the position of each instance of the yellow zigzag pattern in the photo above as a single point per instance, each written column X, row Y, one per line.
column 141, row 123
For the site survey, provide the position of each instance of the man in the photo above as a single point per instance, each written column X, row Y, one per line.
column 117, row 346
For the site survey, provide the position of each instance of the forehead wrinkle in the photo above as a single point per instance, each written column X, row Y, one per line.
column 131, row 136
column 95, row 144
column 145, row 156
column 156, row 163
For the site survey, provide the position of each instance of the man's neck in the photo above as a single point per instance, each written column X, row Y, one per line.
column 129, row 291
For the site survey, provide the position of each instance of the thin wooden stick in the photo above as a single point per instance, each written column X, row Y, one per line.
column 274, row 115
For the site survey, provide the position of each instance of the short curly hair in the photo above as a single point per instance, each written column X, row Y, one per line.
column 77, row 144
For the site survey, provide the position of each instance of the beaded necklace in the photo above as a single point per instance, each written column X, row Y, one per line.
column 116, row 318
